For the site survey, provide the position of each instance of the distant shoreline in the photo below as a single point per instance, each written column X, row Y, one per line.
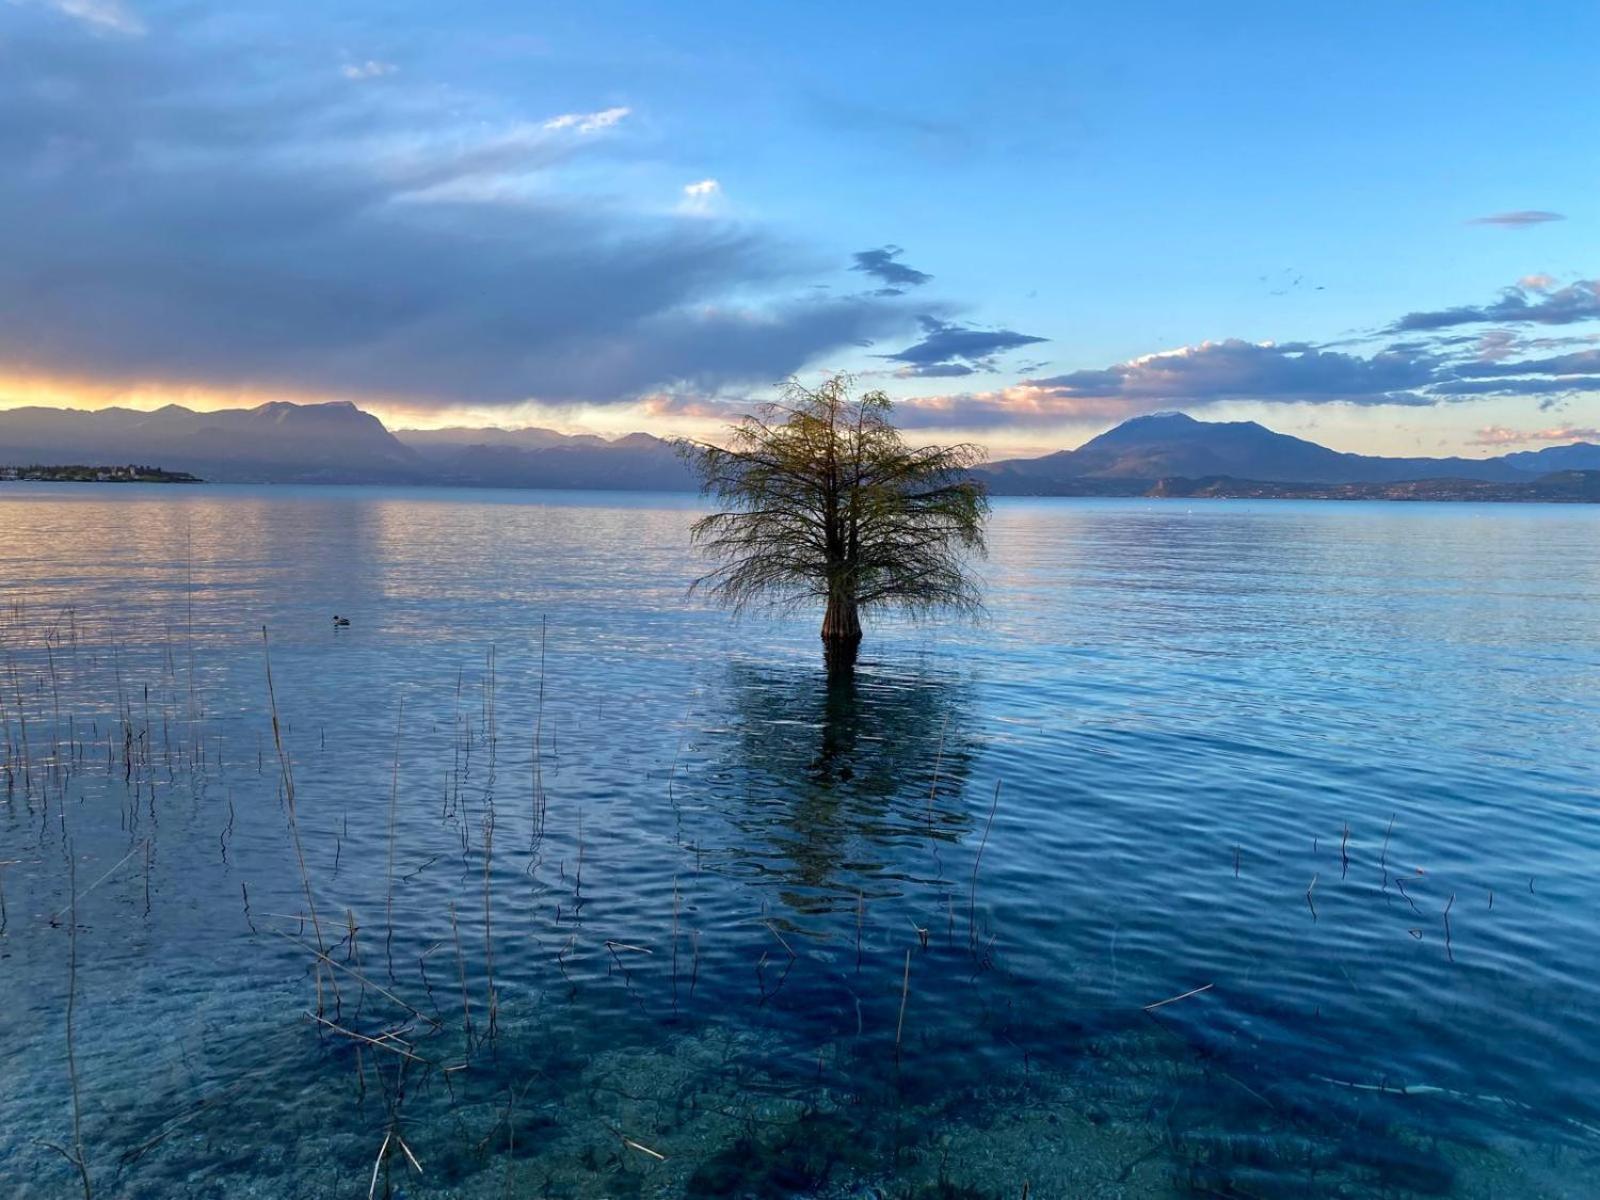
column 1425, row 491
column 78, row 473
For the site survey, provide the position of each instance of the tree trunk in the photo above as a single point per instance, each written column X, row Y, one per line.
column 841, row 632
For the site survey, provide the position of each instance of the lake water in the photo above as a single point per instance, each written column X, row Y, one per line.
column 629, row 901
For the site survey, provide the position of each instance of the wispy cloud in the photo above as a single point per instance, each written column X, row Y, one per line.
column 103, row 16
column 1521, row 219
column 588, row 122
column 371, row 69
column 1018, row 406
column 1499, row 435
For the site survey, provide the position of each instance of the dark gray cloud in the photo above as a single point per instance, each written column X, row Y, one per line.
column 1520, row 219
column 949, row 348
column 1579, row 362
column 1579, row 301
column 176, row 212
column 1412, row 374
column 1292, row 372
column 1512, row 385
column 881, row 264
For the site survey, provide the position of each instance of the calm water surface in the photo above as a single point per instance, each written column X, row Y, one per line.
column 631, row 902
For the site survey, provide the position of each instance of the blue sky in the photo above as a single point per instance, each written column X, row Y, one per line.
column 619, row 216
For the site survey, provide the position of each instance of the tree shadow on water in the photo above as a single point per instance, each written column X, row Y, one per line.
column 834, row 785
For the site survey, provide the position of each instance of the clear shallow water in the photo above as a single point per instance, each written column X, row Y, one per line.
column 701, row 898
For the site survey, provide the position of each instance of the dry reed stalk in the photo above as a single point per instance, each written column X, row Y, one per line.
column 380, row 1043
column 643, row 1149
column 461, row 970
column 294, row 823
column 905, row 992
column 410, row 1157
column 72, row 1007
column 1383, row 858
column 773, row 929
column 378, row 1163
column 1309, row 902
column 538, row 746
column 490, row 727
column 139, row 845
column 11, row 862
column 488, row 938
column 972, row 895
column 1174, row 999
column 394, row 799
column 577, row 885
column 861, row 916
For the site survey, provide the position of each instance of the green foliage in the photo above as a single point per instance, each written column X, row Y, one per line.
column 824, row 499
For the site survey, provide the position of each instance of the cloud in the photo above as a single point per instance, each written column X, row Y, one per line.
column 588, row 122
column 1579, row 362
column 1521, row 219
column 700, row 198
column 948, row 348
column 698, row 407
column 1413, row 372
column 1210, row 373
column 1197, row 376
column 1497, row 345
column 1537, row 283
column 1020, row 405
column 103, row 16
column 1499, row 435
column 1513, row 386
column 371, row 69
column 1213, row 372
column 159, row 222
column 881, row 264
column 1579, row 301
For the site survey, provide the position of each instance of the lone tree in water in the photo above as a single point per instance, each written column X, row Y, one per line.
column 824, row 500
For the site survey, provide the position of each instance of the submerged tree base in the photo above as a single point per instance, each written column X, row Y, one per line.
column 841, row 634
column 840, row 653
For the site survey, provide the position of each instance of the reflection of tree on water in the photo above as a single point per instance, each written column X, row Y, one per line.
column 829, row 782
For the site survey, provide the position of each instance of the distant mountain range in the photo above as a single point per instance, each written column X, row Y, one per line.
column 334, row 443
column 1141, row 453
column 1162, row 454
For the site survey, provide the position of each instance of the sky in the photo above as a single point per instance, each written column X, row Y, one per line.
column 1373, row 225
